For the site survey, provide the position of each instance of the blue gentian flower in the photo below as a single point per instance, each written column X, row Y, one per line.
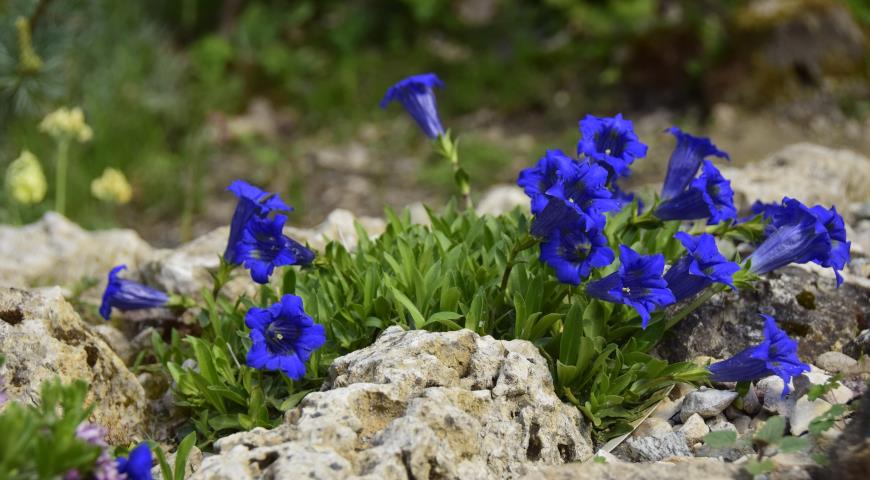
column 584, row 187
column 638, row 283
column 776, row 355
column 264, row 246
column 685, row 161
column 284, row 337
column 253, row 202
column 700, row 267
column 610, row 141
column 536, row 180
column 574, row 251
column 794, row 235
column 126, row 294
column 838, row 256
column 416, row 95
column 137, row 466
column 709, row 196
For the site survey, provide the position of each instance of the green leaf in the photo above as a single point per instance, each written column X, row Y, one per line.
column 771, row 431
column 793, row 444
column 755, row 467
column 419, row 321
column 825, row 421
column 181, row 456
column 165, row 470
column 444, row 318
column 816, row 391
column 721, row 439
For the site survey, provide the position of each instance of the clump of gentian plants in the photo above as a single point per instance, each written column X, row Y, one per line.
column 591, row 277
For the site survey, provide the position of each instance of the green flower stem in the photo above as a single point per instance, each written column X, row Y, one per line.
column 221, row 276
column 524, row 244
column 60, row 176
column 646, row 221
column 449, row 149
column 700, row 300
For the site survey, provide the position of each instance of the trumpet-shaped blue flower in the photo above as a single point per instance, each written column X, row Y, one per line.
column 685, row 161
column 794, row 235
column 709, row 196
column 610, row 141
column 253, row 202
column 416, row 95
column 536, row 180
column 136, row 466
column 283, row 337
column 573, row 251
column 776, row 355
column 838, row 256
column 638, row 283
column 264, row 246
column 126, row 294
column 700, row 267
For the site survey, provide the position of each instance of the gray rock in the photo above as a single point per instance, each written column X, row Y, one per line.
column 802, row 298
column 770, row 389
column 680, row 469
column 794, row 172
column 653, row 449
column 417, row 405
column 804, row 412
column 836, row 362
column 720, row 425
column 741, row 423
column 43, row 338
column 730, row 454
column 750, row 403
column 706, row 402
column 694, row 429
column 815, row 376
column 502, row 199
column 858, row 346
column 55, row 251
column 652, row 427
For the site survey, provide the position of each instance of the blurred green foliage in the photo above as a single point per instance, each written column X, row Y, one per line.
column 153, row 77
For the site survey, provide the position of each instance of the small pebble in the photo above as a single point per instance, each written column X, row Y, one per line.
column 836, row 362
column 694, row 429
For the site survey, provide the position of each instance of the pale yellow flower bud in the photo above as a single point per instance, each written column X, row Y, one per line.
column 67, row 123
column 112, row 187
column 25, row 180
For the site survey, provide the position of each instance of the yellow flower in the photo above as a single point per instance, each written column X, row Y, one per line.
column 67, row 123
column 25, row 180
column 112, row 187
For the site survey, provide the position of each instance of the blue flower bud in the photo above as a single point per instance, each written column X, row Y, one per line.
column 685, row 161
column 416, row 95
column 709, row 196
column 126, row 294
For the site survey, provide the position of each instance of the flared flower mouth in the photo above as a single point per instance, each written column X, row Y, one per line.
column 637, row 283
column 283, row 337
column 611, row 142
